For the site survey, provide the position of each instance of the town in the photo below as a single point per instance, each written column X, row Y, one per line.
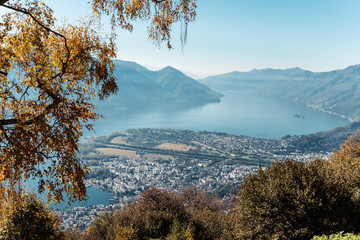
column 127, row 163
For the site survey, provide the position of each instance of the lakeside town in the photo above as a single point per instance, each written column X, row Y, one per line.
column 127, row 163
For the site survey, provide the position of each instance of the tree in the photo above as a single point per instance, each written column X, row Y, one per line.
column 346, row 164
column 294, row 200
column 25, row 217
column 160, row 214
column 48, row 76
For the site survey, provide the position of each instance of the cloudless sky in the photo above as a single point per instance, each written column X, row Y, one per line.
column 229, row 35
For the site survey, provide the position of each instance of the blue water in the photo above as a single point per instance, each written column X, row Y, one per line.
column 242, row 114
column 95, row 197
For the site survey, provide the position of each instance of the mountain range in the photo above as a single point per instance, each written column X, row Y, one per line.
column 336, row 92
column 168, row 89
column 143, row 90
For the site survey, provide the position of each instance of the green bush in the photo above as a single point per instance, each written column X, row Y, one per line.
column 339, row 236
column 294, row 200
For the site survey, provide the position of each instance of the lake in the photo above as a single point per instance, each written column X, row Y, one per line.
column 95, row 197
column 241, row 114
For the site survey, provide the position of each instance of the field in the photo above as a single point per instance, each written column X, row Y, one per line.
column 119, row 140
column 175, row 147
column 118, row 152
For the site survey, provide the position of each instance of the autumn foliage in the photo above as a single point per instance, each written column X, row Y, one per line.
column 294, row 200
column 25, row 217
column 49, row 76
column 160, row 214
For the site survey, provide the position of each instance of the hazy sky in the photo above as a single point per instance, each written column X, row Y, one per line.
column 228, row 35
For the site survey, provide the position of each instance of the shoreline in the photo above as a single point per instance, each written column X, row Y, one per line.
column 319, row 108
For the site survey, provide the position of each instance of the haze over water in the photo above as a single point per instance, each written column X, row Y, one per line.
column 240, row 114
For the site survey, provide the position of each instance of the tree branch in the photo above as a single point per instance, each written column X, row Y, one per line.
column 25, row 11
column 4, row 73
column 3, row 1
column 56, row 100
column 5, row 122
column 12, row 121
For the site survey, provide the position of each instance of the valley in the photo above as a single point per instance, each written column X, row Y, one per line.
column 128, row 162
column 228, row 139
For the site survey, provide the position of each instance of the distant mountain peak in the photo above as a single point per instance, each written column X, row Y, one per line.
column 141, row 89
column 296, row 69
column 352, row 68
column 129, row 65
column 169, row 69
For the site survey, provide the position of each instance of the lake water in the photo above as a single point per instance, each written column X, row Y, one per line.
column 242, row 114
column 95, row 197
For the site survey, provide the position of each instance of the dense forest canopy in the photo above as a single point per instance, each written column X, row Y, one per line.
column 49, row 73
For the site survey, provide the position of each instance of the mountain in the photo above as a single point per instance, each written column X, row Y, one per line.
column 167, row 89
column 325, row 141
column 336, row 91
column 253, row 80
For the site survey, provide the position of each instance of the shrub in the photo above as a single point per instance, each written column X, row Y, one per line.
column 159, row 214
column 101, row 228
column 338, row 236
column 154, row 214
column 346, row 164
column 293, row 200
column 25, row 217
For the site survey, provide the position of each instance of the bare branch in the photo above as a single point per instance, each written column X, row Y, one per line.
column 158, row 1
column 24, row 93
column 5, row 122
column 3, row 73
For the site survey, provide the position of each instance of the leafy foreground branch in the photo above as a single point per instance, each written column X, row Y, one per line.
column 50, row 75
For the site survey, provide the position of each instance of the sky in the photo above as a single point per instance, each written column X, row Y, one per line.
column 241, row 35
